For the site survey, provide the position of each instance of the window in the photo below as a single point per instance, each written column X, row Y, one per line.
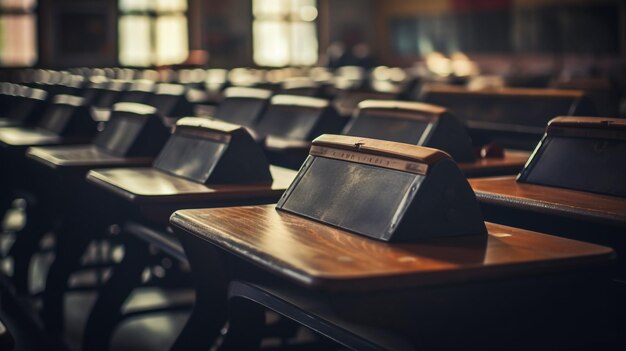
column 284, row 32
column 18, row 33
column 153, row 32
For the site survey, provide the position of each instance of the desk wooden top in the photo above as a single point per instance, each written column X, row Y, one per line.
column 319, row 256
column 511, row 163
column 506, row 191
column 149, row 185
column 82, row 157
column 19, row 136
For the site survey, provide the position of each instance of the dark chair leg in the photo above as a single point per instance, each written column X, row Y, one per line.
column 210, row 310
column 245, row 326
column 26, row 245
column 106, row 312
column 70, row 247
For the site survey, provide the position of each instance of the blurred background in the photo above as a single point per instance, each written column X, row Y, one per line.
column 477, row 43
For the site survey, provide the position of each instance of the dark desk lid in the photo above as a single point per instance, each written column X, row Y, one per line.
column 298, row 117
column 213, row 152
column 170, row 100
column 68, row 116
column 384, row 190
column 581, row 153
column 412, row 123
column 243, row 106
column 133, row 130
column 510, row 114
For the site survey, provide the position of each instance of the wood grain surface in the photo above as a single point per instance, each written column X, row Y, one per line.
column 511, row 163
column 82, row 156
column 505, row 191
column 319, row 256
column 144, row 185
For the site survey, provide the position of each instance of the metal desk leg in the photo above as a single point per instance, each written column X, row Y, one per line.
column 106, row 313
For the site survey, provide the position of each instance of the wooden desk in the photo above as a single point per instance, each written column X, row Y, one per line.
column 512, row 117
column 511, row 163
column 367, row 294
column 148, row 185
column 506, row 192
column 82, row 157
column 297, row 150
column 569, row 213
column 315, row 255
column 155, row 195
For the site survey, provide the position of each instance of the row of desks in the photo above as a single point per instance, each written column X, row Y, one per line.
column 317, row 274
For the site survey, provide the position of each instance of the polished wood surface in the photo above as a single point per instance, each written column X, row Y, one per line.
column 587, row 122
column 512, row 162
column 145, row 185
column 81, row 156
column 18, row 136
column 506, row 191
column 418, row 110
column 520, row 92
column 381, row 147
column 319, row 256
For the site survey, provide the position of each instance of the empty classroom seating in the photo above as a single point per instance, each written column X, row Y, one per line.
column 603, row 92
column 322, row 258
column 25, row 107
column 291, row 122
column 138, row 91
column 133, row 136
column 512, row 117
column 571, row 186
column 146, row 226
column 235, row 172
column 417, row 124
column 243, row 106
column 171, row 102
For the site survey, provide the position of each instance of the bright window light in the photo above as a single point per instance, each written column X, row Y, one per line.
column 284, row 32
column 18, row 33
column 135, row 48
column 153, row 32
column 18, row 4
column 172, row 45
